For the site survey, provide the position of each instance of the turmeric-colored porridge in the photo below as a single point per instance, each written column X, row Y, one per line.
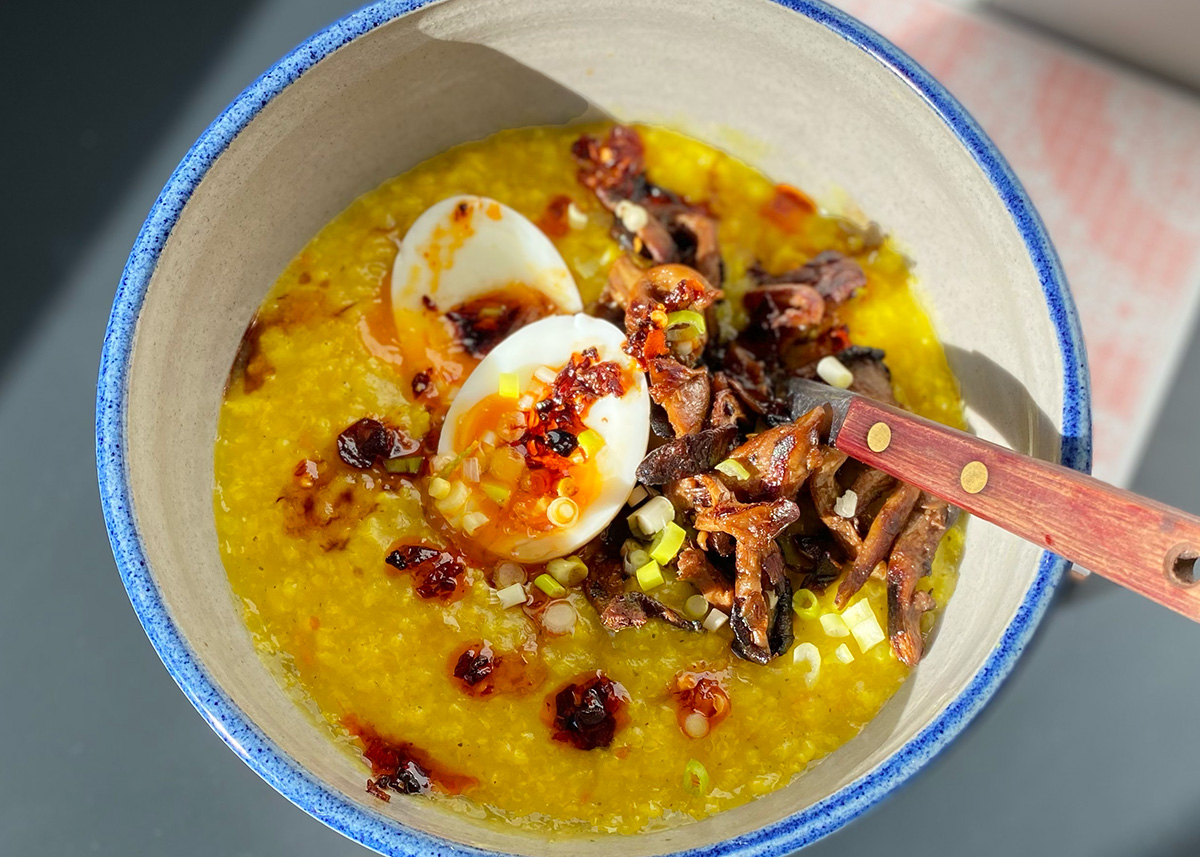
column 448, row 535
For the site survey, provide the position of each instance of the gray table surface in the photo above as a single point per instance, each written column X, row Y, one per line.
column 1088, row 749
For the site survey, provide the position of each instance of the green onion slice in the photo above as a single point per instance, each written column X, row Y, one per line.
column 550, row 586
column 687, row 317
column 695, row 778
column 667, row 543
column 403, row 465
column 806, row 605
column 734, row 469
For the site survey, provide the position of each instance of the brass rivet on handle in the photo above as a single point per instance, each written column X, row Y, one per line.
column 974, row 477
column 878, row 437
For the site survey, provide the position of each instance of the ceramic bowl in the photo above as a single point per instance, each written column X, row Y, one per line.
column 804, row 92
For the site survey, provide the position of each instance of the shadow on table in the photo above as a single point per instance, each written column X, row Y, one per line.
column 95, row 86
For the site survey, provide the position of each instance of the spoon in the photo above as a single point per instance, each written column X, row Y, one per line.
column 1141, row 544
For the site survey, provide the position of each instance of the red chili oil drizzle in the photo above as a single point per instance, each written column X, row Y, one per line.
column 553, row 221
column 587, row 712
column 480, row 671
column 368, row 442
column 557, row 420
column 646, row 318
column 325, row 502
column 402, row 767
column 420, row 383
column 788, row 208
column 614, row 164
column 482, row 323
column 437, row 572
column 646, row 323
column 293, row 309
column 700, row 693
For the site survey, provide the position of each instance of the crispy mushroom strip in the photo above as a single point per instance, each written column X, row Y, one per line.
column 682, row 287
column 684, row 394
column 800, row 355
column 869, row 485
column 727, row 410
column 686, row 456
column 871, row 375
column 780, row 459
column 649, row 297
column 793, row 317
column 707, row 252
column 643, row 292
column 605, row 589
column 787, row 305
column 634, row 609
column 911, row 559
column 694, row 566
column 824, row 490
column 879, row 540
column 834, row 276
column 690, row 494
column 647, row 219
column 779, row 603
column 626, row 281
column 760, row 584
column 613, row 167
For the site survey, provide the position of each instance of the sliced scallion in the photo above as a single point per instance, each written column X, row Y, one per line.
column 567, row 570
column 506, row 574
column 559, row 618
column 454, row 500
column 695, row 778
column 652, row 516
column 834, row 373
column 688, row 317
column 808, row 653
column 496, row 492
column 472, row 521
column 438, row 488
column 696, row 606
column 667, row 543
column 550, row 586
column 650, row 576
column 562, row 511
column 867, row 633
column 805, row 603
column 734, row 469
column 510, row 385
column 857, row 612
column 403, row 465
column 591, row 441
column 635, row 559
column 834, row 625
column 511, row 596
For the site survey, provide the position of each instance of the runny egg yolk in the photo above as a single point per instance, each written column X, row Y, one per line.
column 540, row 447
column 441, row 345
column 518, row 480
column 524, row 471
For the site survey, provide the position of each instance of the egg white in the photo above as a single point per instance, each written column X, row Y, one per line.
column 623, row 422
column 487, row 246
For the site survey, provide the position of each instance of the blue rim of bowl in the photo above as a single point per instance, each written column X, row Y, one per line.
column 388, row 836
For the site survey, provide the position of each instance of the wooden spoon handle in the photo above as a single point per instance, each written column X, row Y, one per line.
column 1141, row 544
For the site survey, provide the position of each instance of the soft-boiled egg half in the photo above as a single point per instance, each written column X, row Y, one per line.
column 540, row 447
column 469, row 272
column 465, row 247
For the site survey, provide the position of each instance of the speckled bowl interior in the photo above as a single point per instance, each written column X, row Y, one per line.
column 803, row 93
